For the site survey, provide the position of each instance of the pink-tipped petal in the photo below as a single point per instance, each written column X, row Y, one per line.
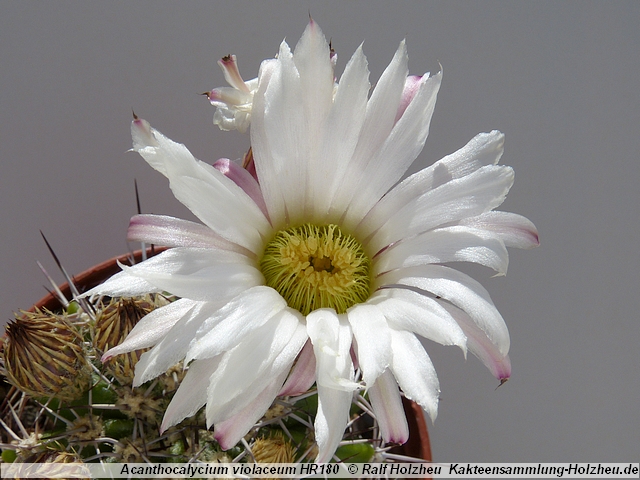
column 387, row 406
column 402, row 146
column 229, row 432
column 483, row 149
column 371, row 332
column 420, row 314
column 192, row 393
column 201, row 274
column 513, row 229
column 411, row 85
column 154, row 326
column 478, row 343
column 229, row 65
column 142, row 134
column 378, row 123
column 449, row 244
column 229, row 97
column 229, row 211
column 173, row 347
column 331, row 337
column 122, row 285
column 243, row 178
column 248, row 368
column 471, row 195
column 234, row 321
column 303, row 373
column 460, row 290
column 414, row 371
column 331, row 420
column 341, row 134
column 175, row 232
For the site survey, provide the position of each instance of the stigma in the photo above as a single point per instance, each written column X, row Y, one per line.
column 317, row 267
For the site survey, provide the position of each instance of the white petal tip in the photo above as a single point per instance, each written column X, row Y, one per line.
column 433, row 413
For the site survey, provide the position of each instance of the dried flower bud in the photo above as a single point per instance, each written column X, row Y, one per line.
column 113, row 324
column 44, row 356
column 274, row 449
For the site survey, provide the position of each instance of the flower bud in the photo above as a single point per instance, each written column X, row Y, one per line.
column 113, row 324
column 44, row 356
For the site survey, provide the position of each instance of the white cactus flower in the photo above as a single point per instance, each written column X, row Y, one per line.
column 322, row 256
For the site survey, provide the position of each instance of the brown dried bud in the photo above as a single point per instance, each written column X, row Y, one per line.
column 113, row 324
column 44, row 356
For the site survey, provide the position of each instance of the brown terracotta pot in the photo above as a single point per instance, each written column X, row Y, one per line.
column 418, row 445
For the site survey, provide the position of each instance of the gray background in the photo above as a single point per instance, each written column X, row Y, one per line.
column 560, row 79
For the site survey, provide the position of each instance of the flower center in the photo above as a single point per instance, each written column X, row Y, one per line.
column 317, row 267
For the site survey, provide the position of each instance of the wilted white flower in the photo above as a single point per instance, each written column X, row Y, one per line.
column 322, row 258
column 233, row 104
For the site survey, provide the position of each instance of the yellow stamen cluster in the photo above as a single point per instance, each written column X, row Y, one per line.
column 274, row 449
column 317, row 267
